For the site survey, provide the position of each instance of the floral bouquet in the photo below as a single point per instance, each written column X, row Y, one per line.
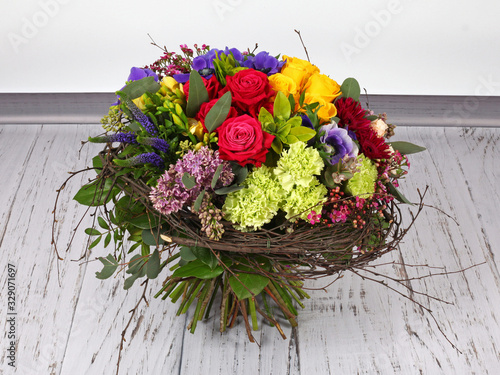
column 238, row 176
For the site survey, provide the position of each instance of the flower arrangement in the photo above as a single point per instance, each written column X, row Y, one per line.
column 245, row 173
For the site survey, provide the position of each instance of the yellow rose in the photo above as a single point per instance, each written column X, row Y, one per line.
column 299, row 70
column 327, row 110
column 170, row 83
column 283, row 83
column 323, row 86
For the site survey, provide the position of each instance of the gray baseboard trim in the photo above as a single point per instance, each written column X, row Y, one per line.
column 403, row 110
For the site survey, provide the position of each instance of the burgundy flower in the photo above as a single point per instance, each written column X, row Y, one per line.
column 373, row 146
column 352, row 116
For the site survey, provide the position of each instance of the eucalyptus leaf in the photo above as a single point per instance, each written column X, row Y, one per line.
column 216, row 175
column 218, row 113
column 153, row 265
column 228, row 189
column 198, row 94
column 137, row 88
column 135, row 264
column 397, row 194
column 350, row 89
column 150, row 238
column 406, row 148
column 187, row 254
column 92, row 232
column 188, row 181
column 110, row 266
column 198, row 201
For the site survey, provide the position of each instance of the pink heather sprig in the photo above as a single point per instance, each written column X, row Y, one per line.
column 170, row 194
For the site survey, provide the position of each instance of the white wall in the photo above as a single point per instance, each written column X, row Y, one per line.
column 430, row 47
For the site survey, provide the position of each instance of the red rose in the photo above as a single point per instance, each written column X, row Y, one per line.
column 242, row 139
column 213, row 87
column 250, row 90
column 206, row 107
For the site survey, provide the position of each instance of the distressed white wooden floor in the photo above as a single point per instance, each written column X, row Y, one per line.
column 73, row 325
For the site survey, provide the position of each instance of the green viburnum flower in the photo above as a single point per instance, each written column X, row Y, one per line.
column 363, row 182
column 303, row 199
column 298, row 165
column 256, row 204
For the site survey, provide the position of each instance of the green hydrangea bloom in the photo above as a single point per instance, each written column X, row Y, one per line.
column 298, row 165
column 363, row 182
column 256, row 204
column 300, row 199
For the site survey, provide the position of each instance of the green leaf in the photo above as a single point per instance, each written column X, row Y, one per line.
column 247, row 284
column 187, row 254
column 107, row 240
column 303, row 133
column 206, row 256
column 350, row 89
column 198, row 201
column 291, row 100
column 285, row 129
column 228, row 189
column 240, row 172
column 397, row 194
column 406, row 148
column 149, row 238
column 281, row 107
column 188, row 181
column 95, row 242
column 102, row 223
column 371, row 118
column 265, row 117
column 94, row 193
column 144, row 220
column 110, row 266
column 216, row 176
column 218, row 113
column 135, row 264
column 137, row 88
column 97, row 162
column 153, row 265
column 197, row 94
column 92, row 232
column 198, row 269
column 277, row 145
column 290, row 138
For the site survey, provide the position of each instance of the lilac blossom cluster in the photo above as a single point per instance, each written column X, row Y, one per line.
column 170, row 194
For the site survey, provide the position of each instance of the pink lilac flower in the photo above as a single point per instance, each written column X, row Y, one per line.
column 170, row 194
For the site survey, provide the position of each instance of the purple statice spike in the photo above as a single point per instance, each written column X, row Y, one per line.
column 141, row 117
column 146, row 158
column 158, row 143
column 118, row 137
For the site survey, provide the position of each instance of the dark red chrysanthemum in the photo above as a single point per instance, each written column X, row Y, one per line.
column 373, row 146
column 352, row 115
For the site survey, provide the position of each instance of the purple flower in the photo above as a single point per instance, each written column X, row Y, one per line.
column 147, row 158
column 264, row 63
column 170, row 194
column 158, row 143
column 337, row 141
column 204, row 64
column 141, row 117
column 118, row 137
column 139, row 73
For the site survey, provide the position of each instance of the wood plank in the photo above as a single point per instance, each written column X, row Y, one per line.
column 357, row 327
